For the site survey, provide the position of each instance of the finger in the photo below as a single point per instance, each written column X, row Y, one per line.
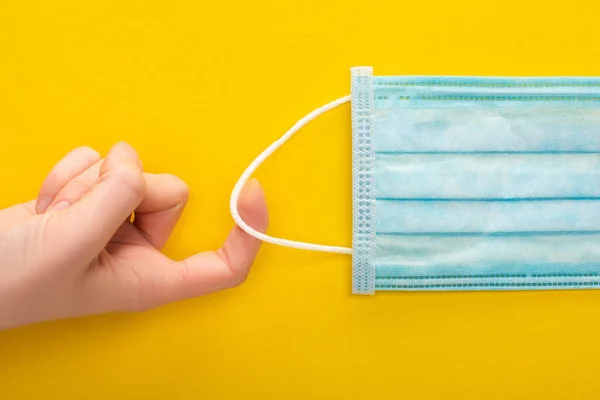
column 230, row 265
column 157, row 214
column 211, row 271
column 63, row 172
column 120, row 188
column 78, row 187
column 159, row 211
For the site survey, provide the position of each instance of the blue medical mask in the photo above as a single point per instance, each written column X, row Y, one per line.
column 469, row 183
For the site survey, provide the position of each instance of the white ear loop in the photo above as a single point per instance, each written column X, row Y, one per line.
column 235, row 194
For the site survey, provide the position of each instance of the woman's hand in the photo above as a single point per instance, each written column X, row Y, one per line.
column 76, row 252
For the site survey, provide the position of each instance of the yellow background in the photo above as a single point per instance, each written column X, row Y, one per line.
column 200, row 88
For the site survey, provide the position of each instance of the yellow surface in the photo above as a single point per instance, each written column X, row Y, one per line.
column 200, row 88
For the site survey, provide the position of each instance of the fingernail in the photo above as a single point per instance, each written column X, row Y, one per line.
column 252, row 184
column 43, row 205
column 61, row 205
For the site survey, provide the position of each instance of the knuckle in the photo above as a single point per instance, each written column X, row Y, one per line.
column 131, row 179
column 239, row 278
column 237, row 274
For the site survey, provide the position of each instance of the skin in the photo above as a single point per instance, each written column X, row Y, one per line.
column 74, row 251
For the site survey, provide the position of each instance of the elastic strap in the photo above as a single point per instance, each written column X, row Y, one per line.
column 235, row 194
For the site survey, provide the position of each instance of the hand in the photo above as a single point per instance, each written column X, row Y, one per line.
column 75, row 251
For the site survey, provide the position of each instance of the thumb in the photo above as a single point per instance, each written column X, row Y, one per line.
column 119, row 190
column 166, row 281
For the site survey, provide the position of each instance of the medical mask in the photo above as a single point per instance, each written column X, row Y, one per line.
column 468, row 183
